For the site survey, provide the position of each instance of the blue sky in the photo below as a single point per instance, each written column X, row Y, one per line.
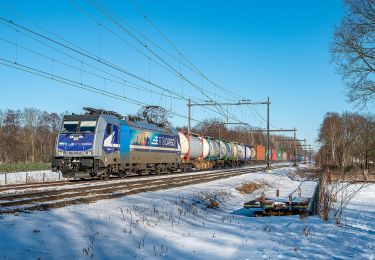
column 254, row 48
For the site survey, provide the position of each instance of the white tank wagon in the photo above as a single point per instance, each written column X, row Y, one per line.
column 223, row 150
column 229, row 151
column 241, row 152
column 247, row 153
column 192, row 148
column 234, row 156
column 195, row 147
column 205, row 152
column 184, row 145
column 205, row 147
column 214, row 149
column 194, row 151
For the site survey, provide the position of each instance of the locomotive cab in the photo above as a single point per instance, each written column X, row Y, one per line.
column 87, row 145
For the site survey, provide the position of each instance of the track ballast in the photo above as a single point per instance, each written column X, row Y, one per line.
column 26, row 198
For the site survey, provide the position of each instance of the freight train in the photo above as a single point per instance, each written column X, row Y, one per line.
column 102, row 143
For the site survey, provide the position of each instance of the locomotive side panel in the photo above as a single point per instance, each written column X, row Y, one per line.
column 151, row 150
column 125, row 144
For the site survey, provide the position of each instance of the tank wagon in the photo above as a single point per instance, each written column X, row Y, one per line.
column 101, row 143
column 207, row 153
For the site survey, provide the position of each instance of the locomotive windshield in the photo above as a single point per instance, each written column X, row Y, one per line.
column 72, row 127
column 87, row 127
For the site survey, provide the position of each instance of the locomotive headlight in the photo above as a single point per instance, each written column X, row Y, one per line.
column 61, row 153
column 89, row 153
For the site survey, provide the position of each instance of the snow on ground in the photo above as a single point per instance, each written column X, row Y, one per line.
column 177, row 223
column 29, row 177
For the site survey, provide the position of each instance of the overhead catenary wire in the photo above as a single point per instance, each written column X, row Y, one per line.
column 57, row 36
column 92, row 57
column 139, row 9
column 103, row 77
column 149, row 40
column 107, row 13
column 87, row 55
column 77, row 84
column 180, row 53
column 80, row 9
column 198, row 71
column 146, row 80
column 125, row 82
column 80, row 69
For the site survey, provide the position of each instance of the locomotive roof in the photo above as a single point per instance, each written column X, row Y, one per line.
column 81, row 117
column 148, row 126
column 136, row 124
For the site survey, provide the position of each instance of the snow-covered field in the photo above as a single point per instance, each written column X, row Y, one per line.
column 177, row 223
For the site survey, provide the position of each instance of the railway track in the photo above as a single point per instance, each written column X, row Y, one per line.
column 92, row 181
column 26, row 198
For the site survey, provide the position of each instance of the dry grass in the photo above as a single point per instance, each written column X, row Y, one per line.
column 250, row 187
column 23, row 167
column 334, row 196
column 211, row 200
column 307, row 174
column 213, row 204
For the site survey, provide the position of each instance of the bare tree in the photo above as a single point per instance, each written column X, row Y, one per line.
column 31, row 119
column 329, row 136
column 353, row 50
column 335, row 196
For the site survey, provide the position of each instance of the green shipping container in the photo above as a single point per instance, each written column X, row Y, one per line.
column 279, row 154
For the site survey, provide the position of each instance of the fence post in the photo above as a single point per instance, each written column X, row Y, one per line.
column 6, row 178
column 27, row 176
column 44, row 175
column 365, row 175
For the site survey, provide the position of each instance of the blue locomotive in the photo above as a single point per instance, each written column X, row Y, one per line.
column 103, row 143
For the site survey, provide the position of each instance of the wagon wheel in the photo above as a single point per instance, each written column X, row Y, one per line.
column 104, row 176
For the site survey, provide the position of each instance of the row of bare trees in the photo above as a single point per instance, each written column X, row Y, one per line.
column 347, row 139
column 27, row 135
